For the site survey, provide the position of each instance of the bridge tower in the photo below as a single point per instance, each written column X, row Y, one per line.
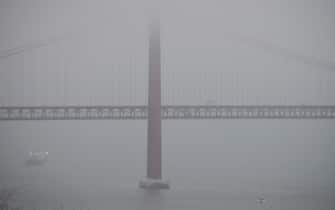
column 153, row 179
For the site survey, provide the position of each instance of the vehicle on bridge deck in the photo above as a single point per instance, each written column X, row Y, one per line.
column 37, row 158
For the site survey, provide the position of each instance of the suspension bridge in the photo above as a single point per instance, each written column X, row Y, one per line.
column 154, row 112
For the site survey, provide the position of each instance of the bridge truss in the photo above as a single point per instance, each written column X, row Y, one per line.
column 167, row 112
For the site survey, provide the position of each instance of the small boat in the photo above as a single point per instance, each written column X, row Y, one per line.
column 37, row 158
column 261, row 200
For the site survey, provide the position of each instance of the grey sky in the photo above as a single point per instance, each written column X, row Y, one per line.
column 203, row 56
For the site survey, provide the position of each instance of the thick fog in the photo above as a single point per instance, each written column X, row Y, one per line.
column 71, row 52
column 233, row 52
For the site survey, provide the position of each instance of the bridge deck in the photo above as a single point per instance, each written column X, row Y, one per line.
column 168, row 112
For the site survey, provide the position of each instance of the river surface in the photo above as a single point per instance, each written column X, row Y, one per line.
column 218, row 164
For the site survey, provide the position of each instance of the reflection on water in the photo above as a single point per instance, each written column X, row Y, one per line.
column 152, row 199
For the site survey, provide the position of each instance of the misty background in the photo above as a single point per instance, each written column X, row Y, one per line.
column 218, row 52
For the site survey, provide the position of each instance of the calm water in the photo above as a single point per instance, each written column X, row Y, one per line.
column 210, row 164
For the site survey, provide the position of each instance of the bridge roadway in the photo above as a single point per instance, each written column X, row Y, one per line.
column 168, row 112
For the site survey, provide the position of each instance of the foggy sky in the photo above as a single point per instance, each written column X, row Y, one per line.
column 209, row 52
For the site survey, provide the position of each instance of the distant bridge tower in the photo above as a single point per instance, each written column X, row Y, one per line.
column 154, row 132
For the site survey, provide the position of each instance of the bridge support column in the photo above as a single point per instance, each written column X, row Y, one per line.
column 154, row 132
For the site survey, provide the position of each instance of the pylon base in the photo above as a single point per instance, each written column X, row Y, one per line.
column 154, row 184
